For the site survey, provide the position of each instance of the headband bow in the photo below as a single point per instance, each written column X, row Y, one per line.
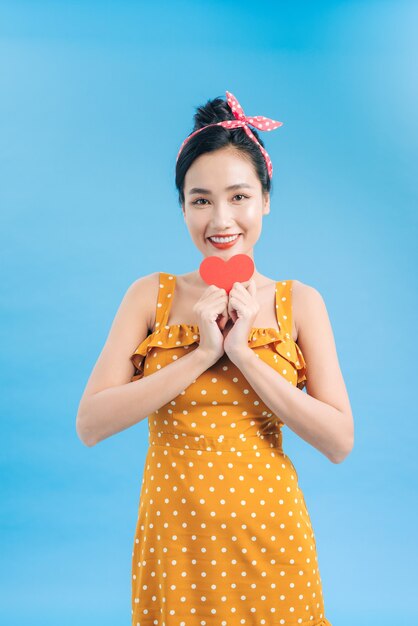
column 241, row 120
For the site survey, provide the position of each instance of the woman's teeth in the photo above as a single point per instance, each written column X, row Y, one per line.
column 223, row 239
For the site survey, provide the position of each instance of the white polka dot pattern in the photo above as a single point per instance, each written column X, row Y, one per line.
column 223, row 534
column 241, row 120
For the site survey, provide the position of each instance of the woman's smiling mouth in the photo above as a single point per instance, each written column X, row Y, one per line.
column 224, row 242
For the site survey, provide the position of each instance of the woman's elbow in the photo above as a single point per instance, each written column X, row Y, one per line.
column 343, row 451
column 84, row 433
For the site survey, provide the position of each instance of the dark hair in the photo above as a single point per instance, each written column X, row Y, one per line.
column 217, row 137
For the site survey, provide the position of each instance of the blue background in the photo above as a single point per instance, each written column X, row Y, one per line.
column 96, row 99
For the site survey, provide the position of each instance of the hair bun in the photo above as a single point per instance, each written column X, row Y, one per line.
column 216, row 110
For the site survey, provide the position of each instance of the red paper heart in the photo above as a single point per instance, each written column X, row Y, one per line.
column 223, row 274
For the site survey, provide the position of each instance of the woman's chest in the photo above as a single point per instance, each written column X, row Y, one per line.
column 184, row 298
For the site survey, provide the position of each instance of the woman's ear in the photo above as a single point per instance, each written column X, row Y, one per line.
column 266, row 203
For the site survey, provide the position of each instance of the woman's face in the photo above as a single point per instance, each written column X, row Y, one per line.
column 210, row 208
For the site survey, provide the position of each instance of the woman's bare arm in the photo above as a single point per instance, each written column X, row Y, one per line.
column 323, row 416
column 110, row 402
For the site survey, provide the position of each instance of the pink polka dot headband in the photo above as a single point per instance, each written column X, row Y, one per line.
column 258, row 121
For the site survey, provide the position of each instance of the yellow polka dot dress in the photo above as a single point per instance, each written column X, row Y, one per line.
column 223, row 535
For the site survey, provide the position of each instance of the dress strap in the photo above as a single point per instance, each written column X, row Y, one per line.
column 284, row 306
column 165, row 297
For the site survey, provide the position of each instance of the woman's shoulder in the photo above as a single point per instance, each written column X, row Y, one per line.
column 305, row 298
column 144, row 291
column 304, row 291
column 142, row 284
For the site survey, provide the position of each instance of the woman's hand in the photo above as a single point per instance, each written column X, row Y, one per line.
column 242, row 309
column 212, row 314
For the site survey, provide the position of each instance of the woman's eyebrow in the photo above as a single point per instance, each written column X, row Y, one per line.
column 236, row 186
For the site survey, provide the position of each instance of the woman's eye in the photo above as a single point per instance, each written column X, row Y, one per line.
column 204, row 200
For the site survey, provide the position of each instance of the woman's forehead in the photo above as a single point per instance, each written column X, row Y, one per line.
column 216, row 172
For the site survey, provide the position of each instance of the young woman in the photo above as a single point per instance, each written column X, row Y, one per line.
column 223, row 534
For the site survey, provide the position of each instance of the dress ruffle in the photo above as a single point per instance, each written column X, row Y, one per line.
column 177, row 335
column 172, row 336
column 283, row 345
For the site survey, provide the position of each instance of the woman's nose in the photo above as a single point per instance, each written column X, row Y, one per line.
column 222, row 212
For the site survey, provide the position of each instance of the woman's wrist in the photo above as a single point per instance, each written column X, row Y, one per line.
column 207, row 358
